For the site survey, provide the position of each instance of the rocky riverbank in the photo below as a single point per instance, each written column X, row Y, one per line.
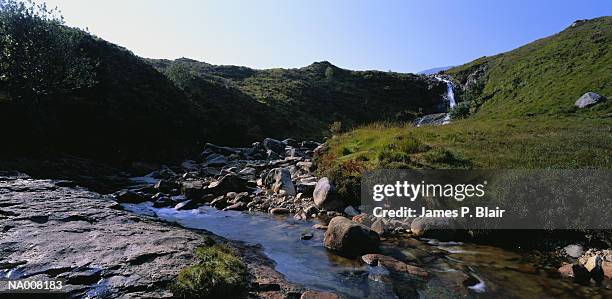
column 55, row 230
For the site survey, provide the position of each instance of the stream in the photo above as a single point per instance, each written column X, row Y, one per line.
column 459, row 269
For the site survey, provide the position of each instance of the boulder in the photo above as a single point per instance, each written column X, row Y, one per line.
column 280, row 179
column 194, row 190
column 210, row 148
column 291, row 142
column 274, row 145
column 228, row 183
column 166, row 186
column 577, row 272
column 350, row 238
column 324, row 195
column 393, row 264
column 607, row 269
column 311, row 145
column 129, row 196
column 588, row 99
column 574, row 250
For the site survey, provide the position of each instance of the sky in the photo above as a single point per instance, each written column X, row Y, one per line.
column 401, row 36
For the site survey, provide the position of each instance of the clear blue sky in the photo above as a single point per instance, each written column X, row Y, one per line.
column 404, row 36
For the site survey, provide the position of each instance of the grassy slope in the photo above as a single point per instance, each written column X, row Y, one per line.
column 527, row 119
column 304, row 101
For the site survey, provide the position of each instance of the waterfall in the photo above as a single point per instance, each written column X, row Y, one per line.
column 450, row 97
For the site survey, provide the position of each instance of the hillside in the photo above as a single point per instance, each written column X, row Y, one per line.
column 63, row 90
column 303, row 102
column 542, row 77
column 522, row 115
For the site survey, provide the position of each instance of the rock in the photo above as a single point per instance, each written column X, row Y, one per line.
column 163, row 202
column 574, row 250
column 306, row 236
column 280, row 179
column 239, row 206
column 393, row 264
column 216, row 160
column 274, row 145
column 194, row 189
column 439, row 228
column 219, row 202
column 166, row 186
column 291, row 142
column 350, row 238
column 378, row 227
column 311, row 210
column 351, row 211
column 578, row 272
column 186, row 205
column 311, row 145
column 307, row 189
column 594, row 265
column 318, row 295
column 228, row 183
column 129, row 196
column 279, row 211
column 607, row 269
column 247, row 171
column 588, row 99
column 325, row 195
column 305, row 166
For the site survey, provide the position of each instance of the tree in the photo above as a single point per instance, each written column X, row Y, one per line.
column 39, row 55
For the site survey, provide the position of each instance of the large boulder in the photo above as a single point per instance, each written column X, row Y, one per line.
column 588, row 99
column 274, row 145
column 280, row 179
column 325, row 196
column 350, row 238
column 229, row 183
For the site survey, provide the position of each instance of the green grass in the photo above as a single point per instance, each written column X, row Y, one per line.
column 218, row 273
column 544, row 77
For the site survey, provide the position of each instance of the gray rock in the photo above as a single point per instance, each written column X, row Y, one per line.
column 279, row 211
column 325, row 197
column 588, row 99
column 186, row 205
column 279, row 179
column 350, row 238
column 274, row 145
column 228, row 183
column 574, row 250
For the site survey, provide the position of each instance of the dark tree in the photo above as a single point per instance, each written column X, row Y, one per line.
column 39, row 54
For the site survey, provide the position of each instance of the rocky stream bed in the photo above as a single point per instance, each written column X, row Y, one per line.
column 296, row 237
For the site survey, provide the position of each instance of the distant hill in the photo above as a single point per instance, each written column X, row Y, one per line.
column 303, row 102
column 435, row 70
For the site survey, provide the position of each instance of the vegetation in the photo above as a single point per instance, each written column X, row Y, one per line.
column 544, row 77
column 521, row 115
column 303, row 102
column 218, row 273
column 40, row 56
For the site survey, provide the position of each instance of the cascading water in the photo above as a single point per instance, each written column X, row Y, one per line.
column 440, row 118
column 450, row 97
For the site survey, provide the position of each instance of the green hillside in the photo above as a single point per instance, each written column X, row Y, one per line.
column 544, row 77
column 303, row 102
column 522, row 115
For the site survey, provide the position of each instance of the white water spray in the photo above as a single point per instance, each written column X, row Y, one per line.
column 450, row 97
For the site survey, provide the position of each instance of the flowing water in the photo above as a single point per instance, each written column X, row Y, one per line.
column 459, row 270
column 440, row 118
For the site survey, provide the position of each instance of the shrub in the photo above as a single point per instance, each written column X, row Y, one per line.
column 217, row 274
column 442, row 156
column 462, row 110
column 335, row 128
